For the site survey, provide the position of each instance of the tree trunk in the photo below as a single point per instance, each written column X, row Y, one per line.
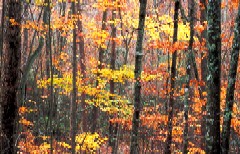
column 1, row 66
column 83, row 70
column 11, row 76
column 51, row 99
column 2, row 27
column 203, row 18
column 231, row 86
column 73, row 123
column 134, row 148
column 213, row 79
column 25, row 34
column 172, row 81
column 113, row 132
column 188, row 68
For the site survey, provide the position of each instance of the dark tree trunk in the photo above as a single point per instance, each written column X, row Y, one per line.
column 203, row 18
column 11, row 76
column 51, row 98
column 172, row 81
column 231, row 86
column 113, row 132
column 134, row 148
column 73, row 124
column 188, row 68
column 213, row 79
column 1, row 65
column 25, row 34
column 113, row 51
column 83, row 70
column 2, row 27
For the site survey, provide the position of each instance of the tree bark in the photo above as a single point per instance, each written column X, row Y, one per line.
column 25, row 33
column 11, row 76
column 188, row 68
column 134, row 148
column 73, row 122
column 113, row 131
column 172, row 81
column 212, row 136
column 51, row 98
column 83, row 70
column 2, row 27
column 203, row 18
column 1, row 65
column 231, row 86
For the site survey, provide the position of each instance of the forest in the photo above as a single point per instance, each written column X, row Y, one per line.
column 119, row 76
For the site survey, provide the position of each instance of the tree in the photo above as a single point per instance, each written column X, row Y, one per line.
column 137, row 75
column 83, row 68
column 74, row 87
column 172, row 81
column 203, row 19
column 213, row 79
column 51, row 72
column 11, row 75
column 188, row 68
column 129, row 76
column 231, row 86
column 113, row 128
